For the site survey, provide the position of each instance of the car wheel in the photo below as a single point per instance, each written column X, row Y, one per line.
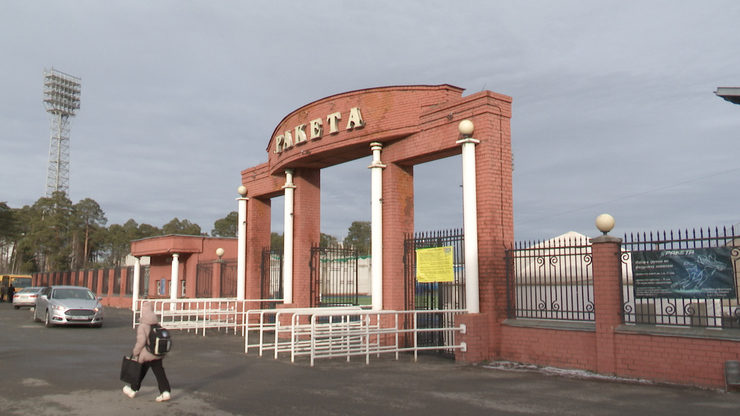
column 47, row 320
column 17, row 307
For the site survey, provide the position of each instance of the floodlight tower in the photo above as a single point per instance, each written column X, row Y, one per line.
column 61, row 99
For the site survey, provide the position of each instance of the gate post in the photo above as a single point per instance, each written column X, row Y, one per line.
column 470, row 216
column 137, row 278
column 607, row 269
column 288, row 238
column 377, row 226
column 241, row 266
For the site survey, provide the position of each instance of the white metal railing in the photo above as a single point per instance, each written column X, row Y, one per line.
column 200, row 314
column 331, row 333
column 271, row 321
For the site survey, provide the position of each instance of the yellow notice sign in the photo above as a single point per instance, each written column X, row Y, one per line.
column 434, row 265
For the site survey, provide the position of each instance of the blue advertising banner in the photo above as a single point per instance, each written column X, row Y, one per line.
column 684, row 273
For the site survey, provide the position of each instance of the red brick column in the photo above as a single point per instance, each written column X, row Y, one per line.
column 306, row 231
column 110, row 275
column 99, row 284
column 398, row 221
column 607, row 271
column 216, row 279
column 258, row 237
column 495, row 215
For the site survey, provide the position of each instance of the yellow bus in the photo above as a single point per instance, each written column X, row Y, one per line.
column 19, row 281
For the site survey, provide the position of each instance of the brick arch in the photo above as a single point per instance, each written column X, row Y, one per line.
column 415, row 124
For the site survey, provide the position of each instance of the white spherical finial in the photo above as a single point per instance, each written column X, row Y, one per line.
column 466, row 127
column 605, row 223
column 220, row 252
column 242, row 190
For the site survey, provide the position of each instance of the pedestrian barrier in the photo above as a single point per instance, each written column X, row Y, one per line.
column 346, row 332
column 201, row 313
column 268, row 321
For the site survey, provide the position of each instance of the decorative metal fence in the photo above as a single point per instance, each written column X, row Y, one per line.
column 106, row 282
column 144, row 283
column 204, row 280
column 684, row 278
column 551, row 280
column 117, row 281
column 129, row 280
column 94, row 281
column 334, row 276
column 228, row 279
column 272, row 274
column 98, row 280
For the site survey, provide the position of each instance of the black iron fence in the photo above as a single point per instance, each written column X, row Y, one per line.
column 228, row 279
column 129, row 290
column 98, row 280
column 444, row 295
column 272, row 274
column 682, row 278
column 551, row 279
column 204, row 280
column 144, row 281
column 94, row 282
column 117, row 281
column 334, row 276
column 106, row 282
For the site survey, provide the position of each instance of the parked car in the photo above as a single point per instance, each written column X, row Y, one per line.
column 26, row 297
column 68, row 305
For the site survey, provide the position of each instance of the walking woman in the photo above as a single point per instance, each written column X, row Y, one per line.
column 146, row 358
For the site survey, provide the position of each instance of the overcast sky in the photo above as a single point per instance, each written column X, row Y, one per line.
column 613, row 103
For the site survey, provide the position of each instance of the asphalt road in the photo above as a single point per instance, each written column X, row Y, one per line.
column 74, row 371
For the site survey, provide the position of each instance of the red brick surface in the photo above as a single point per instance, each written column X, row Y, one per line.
column 675, row 359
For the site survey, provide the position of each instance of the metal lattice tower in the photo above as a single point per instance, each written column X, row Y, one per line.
column 61, row 99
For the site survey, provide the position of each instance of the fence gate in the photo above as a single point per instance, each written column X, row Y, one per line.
column 272, row 274
column 334, row 276
column 204, row 280
column 228, row 279
column 436, row 295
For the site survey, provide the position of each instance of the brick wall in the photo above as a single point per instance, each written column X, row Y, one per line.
column 675, row 355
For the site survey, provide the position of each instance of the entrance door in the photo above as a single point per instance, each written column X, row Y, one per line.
column 437, row 296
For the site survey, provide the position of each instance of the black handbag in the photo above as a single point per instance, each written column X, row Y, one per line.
column 130, row 370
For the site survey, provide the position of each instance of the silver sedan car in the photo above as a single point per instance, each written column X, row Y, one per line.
column 26, row 297
column 68, row 305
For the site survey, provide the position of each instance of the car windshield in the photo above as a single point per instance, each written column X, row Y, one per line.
column 72, row 294
column 30, row 290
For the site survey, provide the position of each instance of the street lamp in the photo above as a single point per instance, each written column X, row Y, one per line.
column 605, row 223
column 731, row 94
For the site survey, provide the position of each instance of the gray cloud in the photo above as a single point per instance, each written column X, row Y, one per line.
column 613, row 107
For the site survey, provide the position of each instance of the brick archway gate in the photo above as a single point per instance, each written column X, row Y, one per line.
column 410, row 125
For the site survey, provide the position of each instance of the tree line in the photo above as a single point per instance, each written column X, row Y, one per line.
column 55, row 234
